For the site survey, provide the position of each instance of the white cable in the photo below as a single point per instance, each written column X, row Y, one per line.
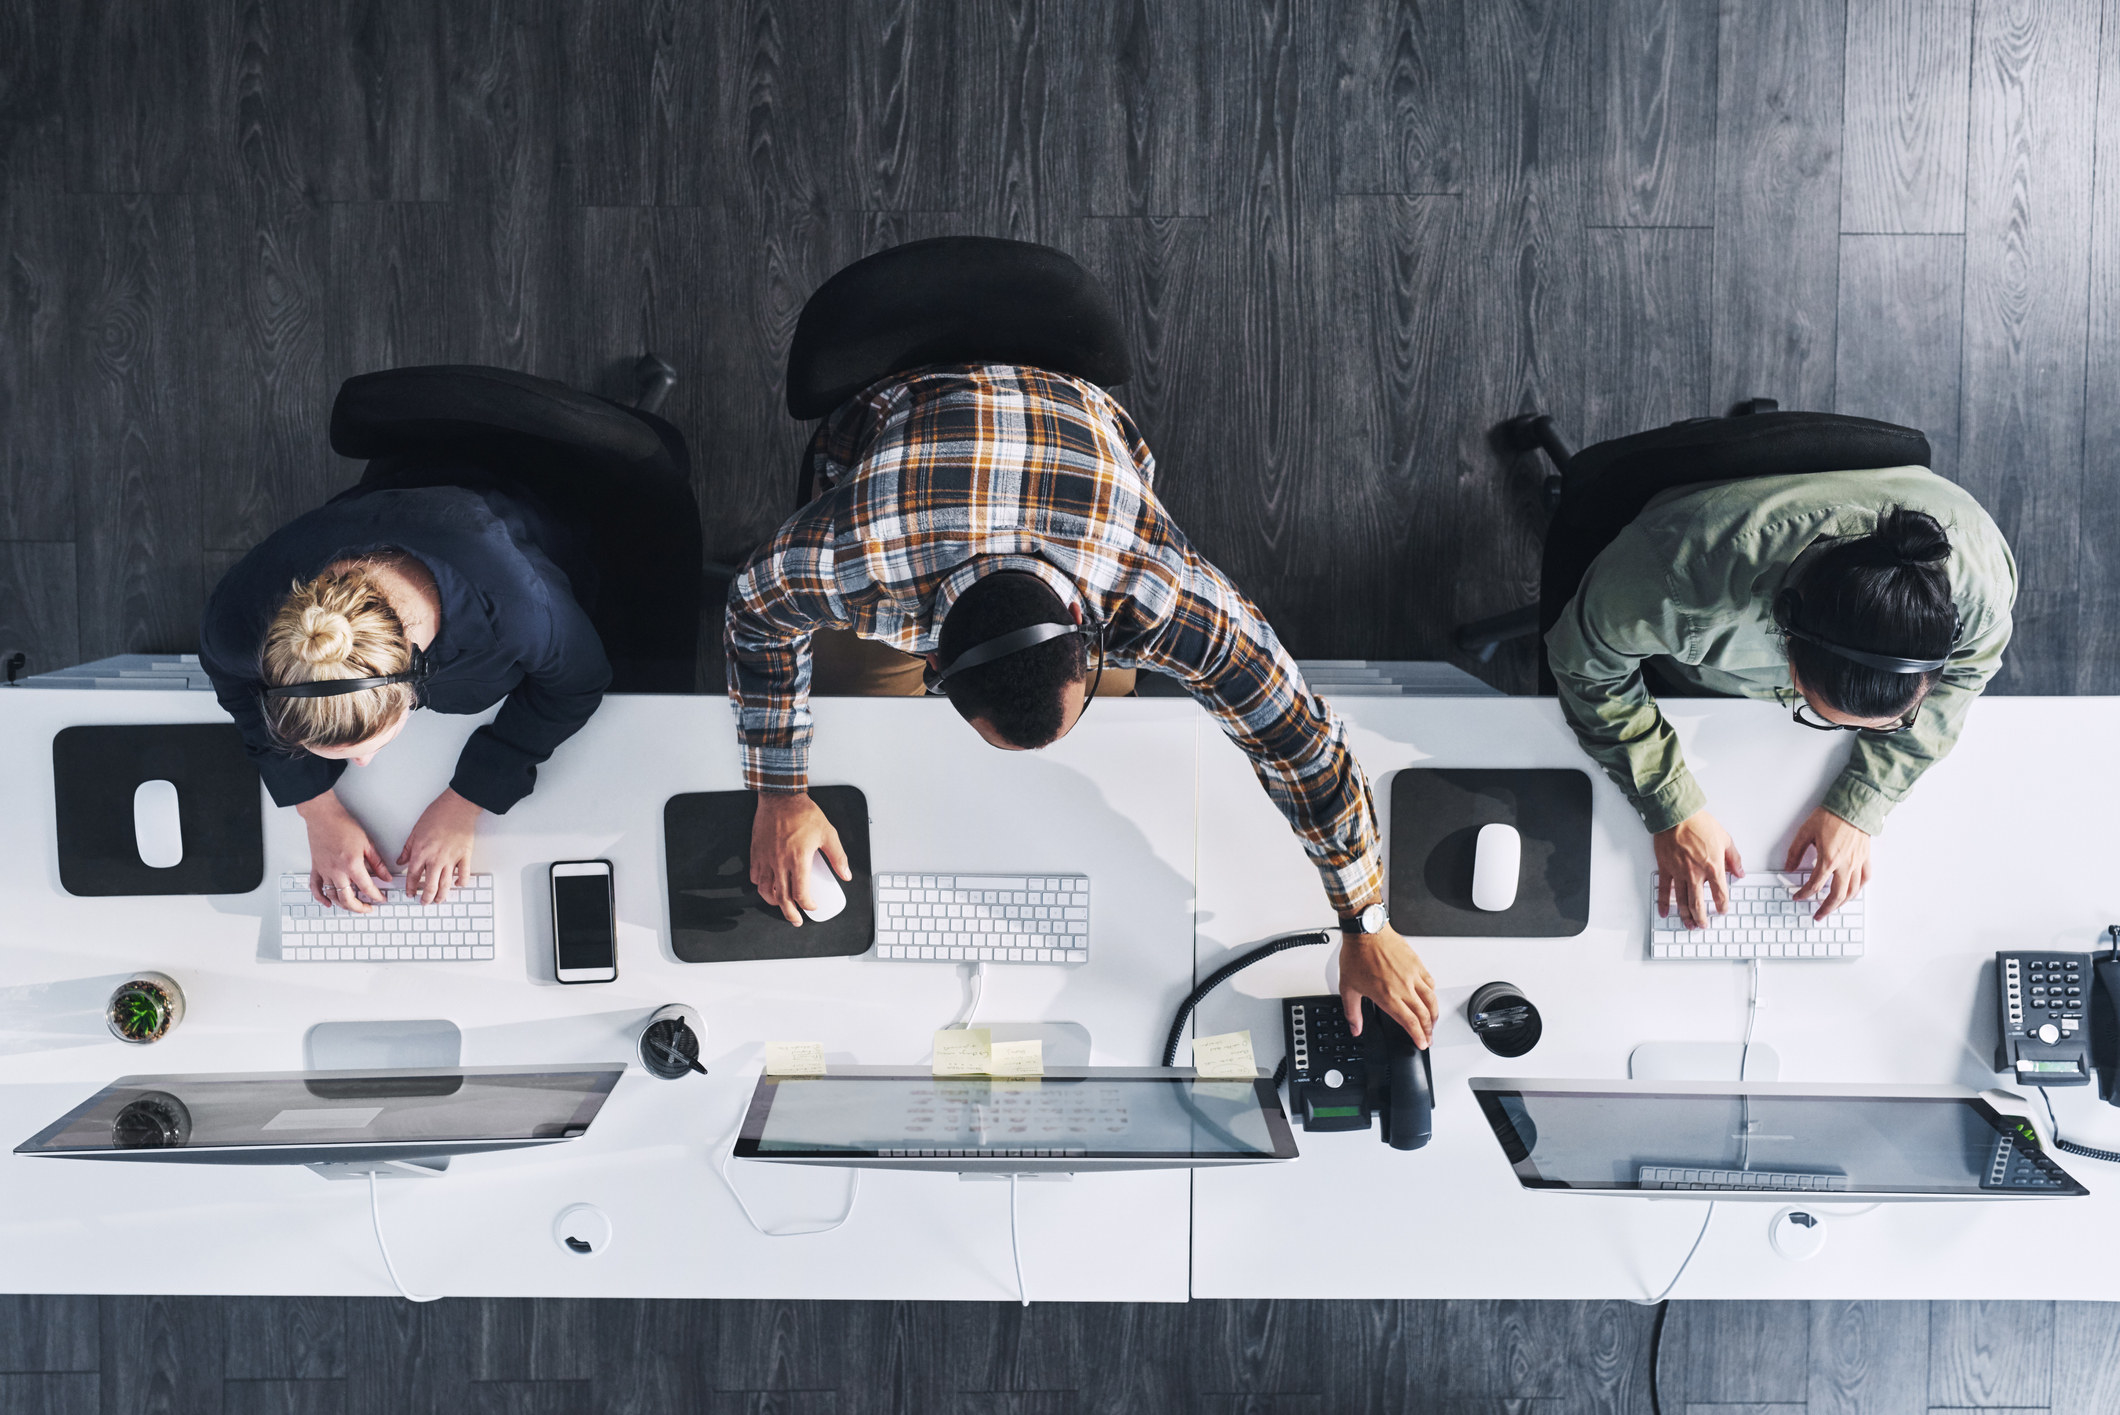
column 853, row 1194
column 375, row 1212
column 1684, row 1263
column 971, row 1008
column 1751, row 1017
column 1015, row 1245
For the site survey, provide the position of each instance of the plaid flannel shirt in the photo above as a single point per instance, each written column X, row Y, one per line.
column 925, row 473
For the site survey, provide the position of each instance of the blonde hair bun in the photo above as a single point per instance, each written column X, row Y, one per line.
column 324, row 637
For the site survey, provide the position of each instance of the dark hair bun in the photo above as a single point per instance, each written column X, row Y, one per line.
column 1913, row 538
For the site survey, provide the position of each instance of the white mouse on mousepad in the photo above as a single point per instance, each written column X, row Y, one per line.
column 158, row 831
column 1497, row 862
column 825, row 892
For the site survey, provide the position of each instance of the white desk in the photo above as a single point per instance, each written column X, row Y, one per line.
column 1115, row 800
column 1996, row 848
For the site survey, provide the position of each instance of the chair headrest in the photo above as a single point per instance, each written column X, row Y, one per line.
column 954, row 299
column 452, row 405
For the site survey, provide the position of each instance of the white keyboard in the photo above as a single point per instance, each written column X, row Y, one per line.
column 1669, row 1176
column 983, row 918
column 1763, row 922
column 399, row 930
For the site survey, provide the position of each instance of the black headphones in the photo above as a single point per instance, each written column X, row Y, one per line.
column 1788, row 604
column 421, row 669
column 1017, row 640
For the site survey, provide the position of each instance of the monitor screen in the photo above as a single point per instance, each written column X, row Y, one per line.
column 1055, row 1118
column 1637, row 1137
column 385, row 1111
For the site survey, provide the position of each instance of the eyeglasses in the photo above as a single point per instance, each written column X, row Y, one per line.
column 1805, row 717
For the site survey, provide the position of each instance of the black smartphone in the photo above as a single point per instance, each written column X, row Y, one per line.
column 584, row 922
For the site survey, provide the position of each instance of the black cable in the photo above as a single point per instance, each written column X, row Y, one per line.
column 1223, row 974
column 2109, row 1156
column 1656, row 1351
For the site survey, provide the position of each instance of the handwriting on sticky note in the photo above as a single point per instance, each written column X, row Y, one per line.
column 794, row 1059
column 1016, row 1058
column 1225, row 1057
column 963, row 1051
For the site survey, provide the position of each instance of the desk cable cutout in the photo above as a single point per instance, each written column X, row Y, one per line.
column 375, row 1212
column 728, row 1152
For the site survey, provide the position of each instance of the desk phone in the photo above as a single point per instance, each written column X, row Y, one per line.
column 2042, row 1000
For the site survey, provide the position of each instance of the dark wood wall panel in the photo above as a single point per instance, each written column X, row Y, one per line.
column 1868, row 1358
column 1646, row 317
column 1991, row 1354
column 1152, row 110
column 1653, row 100
column 2098, row 513
column 1403, row 105
column 1904, row 146
column 1777, row 203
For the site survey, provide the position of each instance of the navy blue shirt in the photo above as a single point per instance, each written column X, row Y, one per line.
column 511, row 631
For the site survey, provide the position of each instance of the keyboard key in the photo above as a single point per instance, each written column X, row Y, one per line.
column 983, row 918
column 400, row 929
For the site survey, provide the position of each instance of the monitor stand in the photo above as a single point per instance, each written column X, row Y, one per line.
column 1702, row 1061
column 1065, row 1044
column 416, row 1044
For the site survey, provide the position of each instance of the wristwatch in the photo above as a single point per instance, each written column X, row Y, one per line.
column 1369, row 921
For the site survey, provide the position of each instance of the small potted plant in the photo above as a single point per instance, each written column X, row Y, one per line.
column 145, row 1007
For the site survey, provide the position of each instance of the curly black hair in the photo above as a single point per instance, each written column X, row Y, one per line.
column 1022, row 695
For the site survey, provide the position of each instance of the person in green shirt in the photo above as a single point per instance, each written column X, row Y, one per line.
column 1874, row 601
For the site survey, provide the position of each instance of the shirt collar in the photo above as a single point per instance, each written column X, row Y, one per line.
column 978, row 568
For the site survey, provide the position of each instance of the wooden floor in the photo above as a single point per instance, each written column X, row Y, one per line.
column 251, row 1356
column 1348, row 236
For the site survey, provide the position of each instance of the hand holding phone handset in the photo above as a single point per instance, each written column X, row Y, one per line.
column 584, row 922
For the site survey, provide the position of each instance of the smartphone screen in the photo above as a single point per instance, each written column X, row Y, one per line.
column 584, row 938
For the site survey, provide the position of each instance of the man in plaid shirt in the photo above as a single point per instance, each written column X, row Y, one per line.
column 1036, row 488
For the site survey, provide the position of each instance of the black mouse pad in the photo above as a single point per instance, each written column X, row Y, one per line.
column 95, row 771
column 1436, row 815
column 717, row 916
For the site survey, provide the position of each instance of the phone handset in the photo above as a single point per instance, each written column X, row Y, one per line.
column 1337, row 1081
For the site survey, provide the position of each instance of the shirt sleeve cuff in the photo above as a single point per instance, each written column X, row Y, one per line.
column 1672, row 802
column 1360, row 879
column 781, row 770
column 1859, row 804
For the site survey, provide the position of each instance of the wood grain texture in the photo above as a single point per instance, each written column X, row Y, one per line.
column 1253, row 1348
column 36, row 487
column 1868, row 1358
column 1777, row 203
column 1897, row 337
column 388, row 288
column 132, row 430
column 1256, row 1403
column 385, row 89
column 47, row 1334
column 774, row 1402
column 32, row 98
column 285, row 1338
column 1738, row 1352
column 405, row 1358
column 2086, row 1358
column 1019, row 70
column 903, row 137
column 1905, row 123
column 1746, row 1408
column 502, row 120
column 1653, row 99
column 530, row 1398
column 1499, row 1349
column 136, row 114
column 1647, row 313
column 2097, row 659
column 161, row 1354
column 1391, row 1356
column 637, row 87
column 1153, row 116
column 262, row 1397
column 2027, row 257
column 51, row 1394
column 1402, row 107
column 1990, row 1353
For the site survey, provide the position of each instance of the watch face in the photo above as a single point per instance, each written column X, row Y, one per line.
column 1370, row 920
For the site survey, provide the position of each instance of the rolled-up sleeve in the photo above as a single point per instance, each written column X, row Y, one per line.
column 783, row 594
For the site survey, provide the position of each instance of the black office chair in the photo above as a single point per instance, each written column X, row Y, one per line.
column 950, row 300
column 1593, row 494
column 619, row 476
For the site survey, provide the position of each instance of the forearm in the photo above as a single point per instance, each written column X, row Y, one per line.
column 1620, row 728
column 1880, row 771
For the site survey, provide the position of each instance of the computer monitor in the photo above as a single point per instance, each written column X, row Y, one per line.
column 1765, row 1140
column 348, row 1121
column 1072, row 1120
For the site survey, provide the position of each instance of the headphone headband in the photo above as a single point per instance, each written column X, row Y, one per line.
column 1789, row 603
column 1002, row 645
column 417, row 674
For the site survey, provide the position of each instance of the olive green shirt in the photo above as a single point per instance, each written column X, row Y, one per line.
column 1691, row 583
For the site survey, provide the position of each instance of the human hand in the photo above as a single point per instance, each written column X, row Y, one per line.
column 438, row 852
column 1695, row 849
column 1843, row 856
column 1384, row 968
column 345, row 868
column 786, row 832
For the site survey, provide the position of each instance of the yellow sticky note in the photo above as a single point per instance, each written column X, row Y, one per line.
column 963, row 1051
column 1222, row 1090
column 794, row 1059
column 1226, row 1057
column 1016, row 1058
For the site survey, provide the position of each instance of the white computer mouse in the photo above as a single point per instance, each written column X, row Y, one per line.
column 1495, row 864
column 827, row 895
column 157, row 831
